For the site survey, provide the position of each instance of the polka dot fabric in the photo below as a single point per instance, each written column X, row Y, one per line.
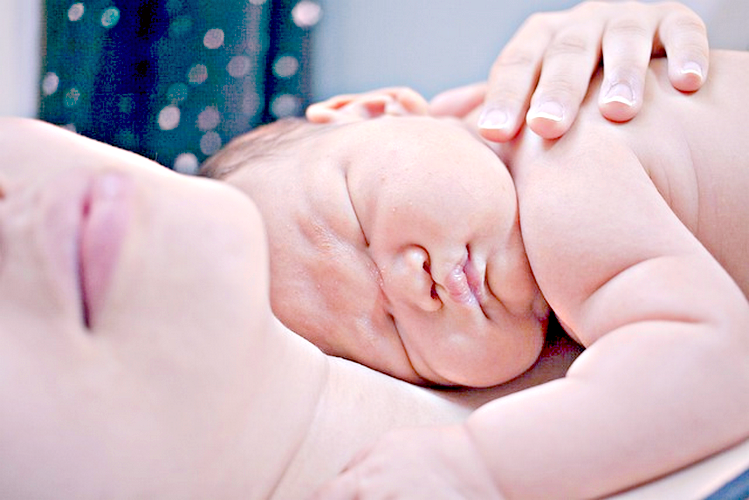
column 174, row 80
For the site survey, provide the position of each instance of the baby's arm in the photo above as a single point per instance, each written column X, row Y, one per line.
column 553, row 55
column 664, row 381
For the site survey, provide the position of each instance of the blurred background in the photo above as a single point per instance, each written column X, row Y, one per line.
column 176, row 79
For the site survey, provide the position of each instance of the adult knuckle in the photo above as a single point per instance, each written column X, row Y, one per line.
column 560, row 86
column 591, row 6
column 628, row 27
column 693, row 49
column 674, row 6
column 689, row 23
column 568, row 44
column 512, row 90
column 511, row 97
column 514, row 57
column 538, row 20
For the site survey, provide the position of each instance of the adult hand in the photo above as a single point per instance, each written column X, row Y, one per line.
column 554, row 54
column 416, row 464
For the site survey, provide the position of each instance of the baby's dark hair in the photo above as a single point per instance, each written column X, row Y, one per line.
column 257, row 146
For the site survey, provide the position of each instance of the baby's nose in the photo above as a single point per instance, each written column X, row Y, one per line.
column 408, row 280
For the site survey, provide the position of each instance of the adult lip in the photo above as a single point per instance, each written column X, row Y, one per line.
column 105, row 218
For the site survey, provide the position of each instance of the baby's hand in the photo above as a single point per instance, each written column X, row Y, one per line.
column 553, row 55
column 423, row 463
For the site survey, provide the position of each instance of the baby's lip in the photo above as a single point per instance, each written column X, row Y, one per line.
column 464, row 283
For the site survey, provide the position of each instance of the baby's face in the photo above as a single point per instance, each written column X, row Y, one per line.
column 395, row 243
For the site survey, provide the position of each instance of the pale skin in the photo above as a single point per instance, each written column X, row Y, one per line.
column 150, row 386
column 638, row 246
column 140, row 357
column 542, row 74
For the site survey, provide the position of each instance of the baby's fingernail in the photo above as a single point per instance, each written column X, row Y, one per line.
column 493, row 119
column 692, row 68
column 621, row 93
column 549, row 110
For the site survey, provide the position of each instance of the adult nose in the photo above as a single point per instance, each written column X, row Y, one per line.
column 408, row 280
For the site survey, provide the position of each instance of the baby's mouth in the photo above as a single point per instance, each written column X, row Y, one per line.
column 464, row 283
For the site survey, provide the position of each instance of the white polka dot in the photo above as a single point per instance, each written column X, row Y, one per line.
column 285, row 105
column 177, row 93
column 198, row 74
column 210, row 143
column 239, row 66
column 186, row 163
column 110, row 17
column 169, row 118
column 76, row 11
column 208, row 119
column 306, row 14
column 286, row 66
column 214, row 38
column 50, row 83
column 72, row 97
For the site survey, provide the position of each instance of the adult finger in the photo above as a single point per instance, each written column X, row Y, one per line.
column 512, row 78
column 568, row 65
column 684, row 37
column 627, row 48
column 341, row 488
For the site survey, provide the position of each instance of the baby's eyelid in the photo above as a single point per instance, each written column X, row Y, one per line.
column 353, row 208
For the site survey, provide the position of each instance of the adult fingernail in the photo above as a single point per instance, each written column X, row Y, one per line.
column 548, row 110
column 493, row 119
column 621, row 93
column 692, row 68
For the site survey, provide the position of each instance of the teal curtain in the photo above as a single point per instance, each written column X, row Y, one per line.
column 174, row 80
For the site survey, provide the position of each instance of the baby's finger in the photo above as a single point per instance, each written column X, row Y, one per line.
column 569, row 62
column 458, row 102
column 627, row 49
column 684, row 37
column 512, row 79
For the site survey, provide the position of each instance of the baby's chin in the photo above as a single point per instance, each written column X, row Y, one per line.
column 503, row 366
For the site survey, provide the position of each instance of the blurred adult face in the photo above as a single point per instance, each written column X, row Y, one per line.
column 127, row 298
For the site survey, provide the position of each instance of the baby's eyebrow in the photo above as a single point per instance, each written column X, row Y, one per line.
column 212, row 168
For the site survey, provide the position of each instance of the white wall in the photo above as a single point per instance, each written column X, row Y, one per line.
column 432, row 45
column 19, row 56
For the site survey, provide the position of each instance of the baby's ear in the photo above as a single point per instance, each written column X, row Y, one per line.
column 394, row 101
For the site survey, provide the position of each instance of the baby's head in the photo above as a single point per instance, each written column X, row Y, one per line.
column 394, row 239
